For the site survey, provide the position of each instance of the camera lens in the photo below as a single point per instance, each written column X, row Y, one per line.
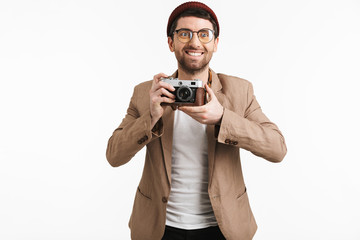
column 184, row 94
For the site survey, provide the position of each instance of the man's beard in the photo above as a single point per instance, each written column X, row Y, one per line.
column 192, row 69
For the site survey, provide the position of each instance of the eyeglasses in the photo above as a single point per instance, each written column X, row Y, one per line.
column 185, row 35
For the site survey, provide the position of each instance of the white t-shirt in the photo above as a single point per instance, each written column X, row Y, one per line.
column 189, row 205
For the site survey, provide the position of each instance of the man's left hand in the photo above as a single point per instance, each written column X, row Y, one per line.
column 210, row 113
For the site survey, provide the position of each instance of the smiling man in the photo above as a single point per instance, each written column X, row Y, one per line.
column 192, row 185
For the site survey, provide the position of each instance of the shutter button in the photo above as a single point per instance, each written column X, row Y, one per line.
column 164, row 200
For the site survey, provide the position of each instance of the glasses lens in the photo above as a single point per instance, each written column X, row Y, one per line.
column 205, row 35
column 184, row 35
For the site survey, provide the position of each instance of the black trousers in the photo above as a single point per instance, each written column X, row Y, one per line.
column 210, row 233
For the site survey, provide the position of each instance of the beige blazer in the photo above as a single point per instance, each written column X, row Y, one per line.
column 243, row 125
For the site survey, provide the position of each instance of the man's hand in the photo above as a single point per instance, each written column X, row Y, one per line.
column 210, row 113
column 159, row 93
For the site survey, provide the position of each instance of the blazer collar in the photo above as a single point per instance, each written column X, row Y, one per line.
column 216, row 84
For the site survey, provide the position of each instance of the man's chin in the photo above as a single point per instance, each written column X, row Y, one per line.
column 194, row 69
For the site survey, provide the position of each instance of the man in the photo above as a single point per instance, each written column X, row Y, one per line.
column 192, row 185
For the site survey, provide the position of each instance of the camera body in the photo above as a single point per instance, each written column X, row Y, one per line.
column 187, row 92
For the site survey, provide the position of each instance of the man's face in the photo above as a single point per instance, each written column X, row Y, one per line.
column 193, row 56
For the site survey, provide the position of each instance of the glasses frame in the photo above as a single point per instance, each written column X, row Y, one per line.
column 192, row 34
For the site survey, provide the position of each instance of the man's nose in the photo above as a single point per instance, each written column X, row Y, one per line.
column 195, row 41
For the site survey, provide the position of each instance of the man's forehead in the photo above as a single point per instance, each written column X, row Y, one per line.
column 193, row 23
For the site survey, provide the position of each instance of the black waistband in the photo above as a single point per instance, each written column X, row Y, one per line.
column 209, row 233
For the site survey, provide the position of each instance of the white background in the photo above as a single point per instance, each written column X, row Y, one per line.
column 67, row 71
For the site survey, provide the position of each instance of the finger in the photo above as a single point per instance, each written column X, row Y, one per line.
column 160, row 99
column 162, row 95
column 210, row 91
column 158, row 77
column 187, row 109
column 163, row 92
column 166, row 100
column 161, row 84
column 165, row 85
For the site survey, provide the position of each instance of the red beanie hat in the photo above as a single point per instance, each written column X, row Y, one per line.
column 185, row 6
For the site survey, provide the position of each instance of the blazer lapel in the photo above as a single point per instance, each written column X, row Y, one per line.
column 210, row 129
column 167, row 139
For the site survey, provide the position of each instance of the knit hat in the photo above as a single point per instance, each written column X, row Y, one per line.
column 185, row 6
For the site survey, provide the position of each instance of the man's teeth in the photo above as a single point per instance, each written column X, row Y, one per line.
column 194, row 54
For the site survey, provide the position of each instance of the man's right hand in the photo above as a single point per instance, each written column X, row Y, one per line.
column 159, row 93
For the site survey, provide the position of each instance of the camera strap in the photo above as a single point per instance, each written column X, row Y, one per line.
column 209, row 79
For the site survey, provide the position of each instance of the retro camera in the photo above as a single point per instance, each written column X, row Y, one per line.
column 187, row 92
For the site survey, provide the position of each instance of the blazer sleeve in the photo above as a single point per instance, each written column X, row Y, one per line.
column 253, row 131
column 133, row 133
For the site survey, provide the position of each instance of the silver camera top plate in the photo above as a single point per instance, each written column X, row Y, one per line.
column 175, row 82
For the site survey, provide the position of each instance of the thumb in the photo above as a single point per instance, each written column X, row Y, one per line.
column 210, row 91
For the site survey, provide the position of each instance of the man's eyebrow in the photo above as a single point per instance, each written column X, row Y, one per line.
column 183, row 29
column 193, row 30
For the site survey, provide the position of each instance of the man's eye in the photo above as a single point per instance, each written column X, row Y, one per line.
column 184, row 34
column 204, row 34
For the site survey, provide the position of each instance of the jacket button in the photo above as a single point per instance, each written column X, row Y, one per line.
column 227, row 141
column 140, row 141
column 164, row 200
column 235, row 143
column 146, row 137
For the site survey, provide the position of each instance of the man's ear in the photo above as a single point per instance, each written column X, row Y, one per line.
column 171, row 44
column 216, row 44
